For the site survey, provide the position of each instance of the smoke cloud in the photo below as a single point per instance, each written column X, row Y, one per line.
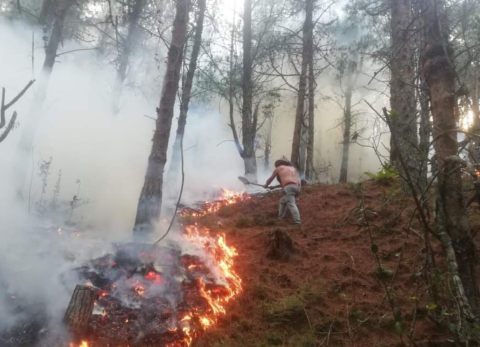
column 103, row 158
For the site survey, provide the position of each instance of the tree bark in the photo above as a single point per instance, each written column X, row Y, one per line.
column 231, row 89
column 302, row 85
column 302, row 158
column 452, row 220
column 150, row 202
column 402, row 91
column 124, row 58
column 79, row 311
column 28, row 134
column 309, row 170
column 268, row 143
column 45, row 11
column 425, row 131
column 249, row 118
column 347, row 128
column 475, row 96
column 186, row 93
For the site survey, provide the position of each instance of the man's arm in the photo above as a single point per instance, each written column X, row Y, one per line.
column 271, row 178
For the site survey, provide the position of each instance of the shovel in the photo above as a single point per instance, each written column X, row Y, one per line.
column 244, row 180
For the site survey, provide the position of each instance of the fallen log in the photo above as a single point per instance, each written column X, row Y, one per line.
column 80, row 309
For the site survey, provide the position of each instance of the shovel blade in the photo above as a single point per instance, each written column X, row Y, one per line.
column 243, row 180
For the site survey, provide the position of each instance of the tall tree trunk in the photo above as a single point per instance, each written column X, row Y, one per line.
column 231, row 89
column 186, row 94
column 268, row 143
column 249, row 118
column 45, row 11
column 302, row 85
column 28, row 133
column 402, row 91
column 425, row 131
column 309, row 170
column 302, row 158
column 127, row 48
column 150, row 202
column 475, row 96
column 452, row 221
column 347, row 128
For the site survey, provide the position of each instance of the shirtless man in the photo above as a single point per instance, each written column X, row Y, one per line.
column 287, row 175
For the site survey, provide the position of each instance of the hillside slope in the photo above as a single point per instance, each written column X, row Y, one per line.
column 331, row 291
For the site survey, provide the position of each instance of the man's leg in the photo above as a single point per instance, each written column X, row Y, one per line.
column 282, row 207
column 290, row 194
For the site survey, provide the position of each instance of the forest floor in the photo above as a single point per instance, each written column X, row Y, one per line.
column 332, row 292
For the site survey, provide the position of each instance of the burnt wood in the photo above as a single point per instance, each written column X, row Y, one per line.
column 79, row 311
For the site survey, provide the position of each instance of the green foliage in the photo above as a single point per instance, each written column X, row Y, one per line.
column 383, row 272
column 289, row 309
column 399, row 328
column 392, row 114
column 356, row 314
column 385, row 176
column 310, row 295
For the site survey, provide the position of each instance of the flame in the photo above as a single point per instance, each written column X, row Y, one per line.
column 153, row 276
column 139, row 289
column 216, row 298
column 216, row 295
column 227, row 197
column 224, row 257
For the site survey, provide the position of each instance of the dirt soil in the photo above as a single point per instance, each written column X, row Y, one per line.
column 331, row 292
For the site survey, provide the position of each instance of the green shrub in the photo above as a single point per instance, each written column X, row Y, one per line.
column 290, row 309
column 383, row 272
column 385, row 176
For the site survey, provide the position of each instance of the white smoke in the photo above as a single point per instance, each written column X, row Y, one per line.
column 108, row 155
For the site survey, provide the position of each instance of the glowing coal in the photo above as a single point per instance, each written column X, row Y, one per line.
column 160, row 295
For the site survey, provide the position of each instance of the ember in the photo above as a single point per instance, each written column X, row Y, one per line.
column 170, row 296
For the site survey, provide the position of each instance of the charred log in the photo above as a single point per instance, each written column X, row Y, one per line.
column 79, row 311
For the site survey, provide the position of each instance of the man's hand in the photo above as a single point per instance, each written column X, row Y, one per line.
column 265, row 186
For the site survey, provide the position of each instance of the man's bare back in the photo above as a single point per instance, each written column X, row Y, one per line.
column 286, row 174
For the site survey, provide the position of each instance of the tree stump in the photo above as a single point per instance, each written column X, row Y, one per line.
column 280, row 245
column 79, row 311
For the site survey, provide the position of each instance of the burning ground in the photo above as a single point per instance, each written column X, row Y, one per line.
column 230, row 289
column 145, row 295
